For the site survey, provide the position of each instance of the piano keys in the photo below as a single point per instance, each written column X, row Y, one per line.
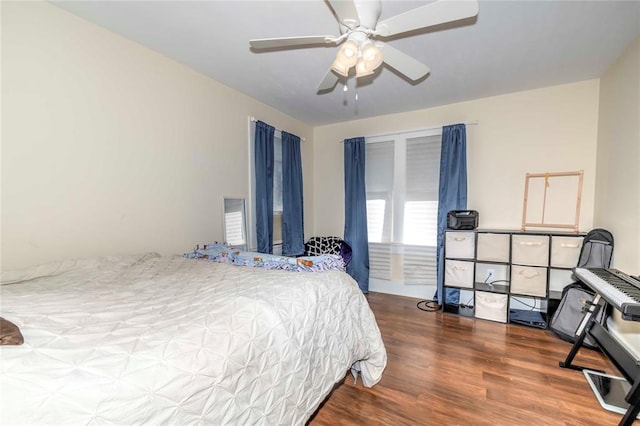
column 619, row 289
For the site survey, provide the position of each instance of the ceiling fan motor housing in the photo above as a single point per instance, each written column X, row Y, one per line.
column 368, row 12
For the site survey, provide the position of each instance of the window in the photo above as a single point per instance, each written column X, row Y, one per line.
column 402, row 173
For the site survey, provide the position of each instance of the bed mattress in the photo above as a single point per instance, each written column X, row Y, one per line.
column 169, row 340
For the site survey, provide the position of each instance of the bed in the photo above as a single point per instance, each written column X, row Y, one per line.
column 148, row 339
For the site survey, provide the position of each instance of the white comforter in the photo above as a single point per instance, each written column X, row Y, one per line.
column 155, row 340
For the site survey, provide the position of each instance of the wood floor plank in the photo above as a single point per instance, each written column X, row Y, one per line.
column 445, row 369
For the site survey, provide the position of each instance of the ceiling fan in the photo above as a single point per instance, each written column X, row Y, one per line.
column 360, row 34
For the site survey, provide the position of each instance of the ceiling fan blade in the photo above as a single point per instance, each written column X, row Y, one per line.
column 346, row 12
column 438, row 12
column 270, row 43
column 403, row 63
column 328, row 82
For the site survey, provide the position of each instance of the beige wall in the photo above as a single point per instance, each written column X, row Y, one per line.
column 618, row 158
column 547, row 130
column 108, row 147
column 618, row 175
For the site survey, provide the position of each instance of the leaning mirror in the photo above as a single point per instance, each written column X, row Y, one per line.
column 235, row 223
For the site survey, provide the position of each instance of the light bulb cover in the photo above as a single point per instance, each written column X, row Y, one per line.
column 362, row 70
column 348, row 53
column 371, row 55
column 340, row 68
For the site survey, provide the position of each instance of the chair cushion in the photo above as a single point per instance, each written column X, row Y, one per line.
column 323, row 245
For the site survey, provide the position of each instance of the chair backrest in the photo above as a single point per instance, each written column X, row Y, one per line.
column 316, row 246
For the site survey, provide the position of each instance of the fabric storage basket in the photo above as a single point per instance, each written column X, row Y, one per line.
column 493, row 247
column 458, row 273
column 460, row 245
column 530, row 250
column 491, row 306
column 565, row 251
column 529, row 280
column 560, row 278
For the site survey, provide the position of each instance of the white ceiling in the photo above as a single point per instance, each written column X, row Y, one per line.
column 510, row 46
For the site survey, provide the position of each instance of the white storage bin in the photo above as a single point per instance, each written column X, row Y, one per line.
column 493, row 247
column 458, row 273
column 529, row 280
column 559, row 279
column 491, row 306
column 460, row 245
column 565, row 251
column 530, row 250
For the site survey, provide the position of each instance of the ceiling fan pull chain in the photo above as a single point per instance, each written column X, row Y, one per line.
column 355, row 103
column 345, row 89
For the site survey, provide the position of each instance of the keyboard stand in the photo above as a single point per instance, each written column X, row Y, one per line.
column 581, row 332
column 625, row 362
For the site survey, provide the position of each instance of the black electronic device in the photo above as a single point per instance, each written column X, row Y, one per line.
column 462, row 219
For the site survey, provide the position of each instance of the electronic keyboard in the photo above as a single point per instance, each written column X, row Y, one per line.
column 619, row 289
column 623, row 293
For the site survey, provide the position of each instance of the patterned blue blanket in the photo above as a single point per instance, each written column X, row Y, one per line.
column 224, row 254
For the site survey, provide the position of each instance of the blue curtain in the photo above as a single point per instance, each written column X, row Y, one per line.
column 355, row 211
column 292, row 206
column 263, row 149
column 452, row 193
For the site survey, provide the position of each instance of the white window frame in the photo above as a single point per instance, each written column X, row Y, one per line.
column 399, row 190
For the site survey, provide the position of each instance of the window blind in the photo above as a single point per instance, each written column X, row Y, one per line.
column 402, row 207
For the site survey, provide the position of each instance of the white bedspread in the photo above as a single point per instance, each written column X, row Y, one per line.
column 156, row 340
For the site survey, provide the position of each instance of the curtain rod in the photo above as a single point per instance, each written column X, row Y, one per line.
column 278, row 130
column 466, row 123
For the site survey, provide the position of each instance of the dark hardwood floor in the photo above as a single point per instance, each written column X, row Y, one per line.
column 444, row 369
